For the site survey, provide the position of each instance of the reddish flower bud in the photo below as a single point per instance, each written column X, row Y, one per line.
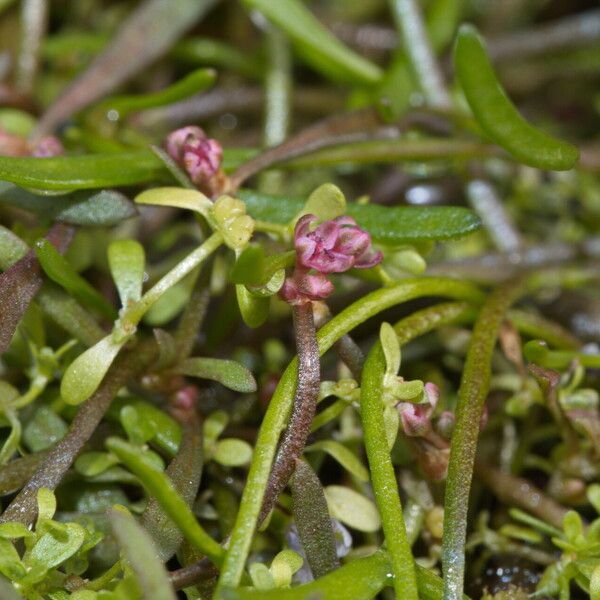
column 416, row 418
column 334, row 246
column 198, row 154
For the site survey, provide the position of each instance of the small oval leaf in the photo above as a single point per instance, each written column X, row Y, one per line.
column 126, row 259
column 352, row 508
column 229, row 373
column 84, row 374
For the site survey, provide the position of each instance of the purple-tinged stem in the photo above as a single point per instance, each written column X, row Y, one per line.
column 303, row 411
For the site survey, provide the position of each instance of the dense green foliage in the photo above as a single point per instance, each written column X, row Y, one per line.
column 299, row 300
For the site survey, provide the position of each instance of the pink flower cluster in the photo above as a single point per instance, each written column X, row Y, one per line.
column 332, row 247
column 16, row 145
column 198, row 154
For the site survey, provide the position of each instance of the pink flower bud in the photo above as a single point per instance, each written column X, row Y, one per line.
column 415, row 418
column 48, row 146
column 199, row 155
column 305, row 288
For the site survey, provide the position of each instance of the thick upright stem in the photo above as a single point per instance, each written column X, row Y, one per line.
column 303, row 411
column 473, row 391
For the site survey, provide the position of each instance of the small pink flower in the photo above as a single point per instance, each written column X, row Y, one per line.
column 198, row 154
column 416, row 418
column 334, row 246
column 48, row 146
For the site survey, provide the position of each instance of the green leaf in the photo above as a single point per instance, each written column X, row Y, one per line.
column 249, row 266
column 261, row 576
column 319, row 47
column 10, row 562
column 391, row 349
column 82, row 172
column 12, row 530
column 283, row 567
column 177, row 197
column 90, row 464
column 593, row 494
column 139, row 429
column 312, row 520
column 195, row 82
column 352, row 508
column 84, row 374
column 214, row 425
column 232, row 452
column 51, row 552
column 159, row 486
column 326, row 202
column 343, row 455
column 386, row 224
column 44, row 429
column 59, row 270
column 140, row 552
column 229, row 373
column 497, row 115
column 102, row 208
column 254, row 311
column 126, row 259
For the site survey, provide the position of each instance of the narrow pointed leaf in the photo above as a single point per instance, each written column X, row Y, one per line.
column 193, row 83
column 142, row 555
column 127, row 260
column 391, row 225
column 84, row 374
column 343, row 455
column 160, row 487
column 60, row 271
column 319, row 47
column 178, row 197
column 149, row 31
column 229, row 373
column 313, row 521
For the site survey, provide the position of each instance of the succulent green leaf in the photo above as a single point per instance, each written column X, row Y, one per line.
column 232, row 452
column 352, row 508
column 391, row 349
column 229, row 373
column 195, row 82
column 139, row 550
column 82, row 172
column 90, row 464
column 387, row 224
column 497, row 115
column 59, row 270
column 86, row 208
column 84, row 374
column 10, row 562
column 313, row 521
column 326, row 202
column 13, row 529
column 178, row 197
column 261, row 576
column 214, row 425
column 51, row 552
column 283, row 567
column 254, row 310
column 160, row 486
column 319, row 47
column 126, row 259
column 343, row 455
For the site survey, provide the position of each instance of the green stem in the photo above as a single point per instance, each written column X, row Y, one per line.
column 417, row 46
column 278, row 411
column 383, row 477
column 188, row 264
column 472, row 393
